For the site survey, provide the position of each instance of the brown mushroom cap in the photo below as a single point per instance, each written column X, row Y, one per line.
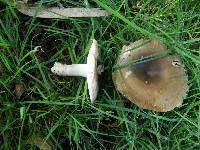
column 156, row 84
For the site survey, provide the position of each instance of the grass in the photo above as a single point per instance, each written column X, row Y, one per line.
column 36, row 103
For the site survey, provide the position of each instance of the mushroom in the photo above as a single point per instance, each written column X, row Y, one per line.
column 158, row 84
column 89, row 70
column 57, row 12
column 40, row 143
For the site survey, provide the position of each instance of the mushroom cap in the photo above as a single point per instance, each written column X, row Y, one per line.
column 57, row 12
column 40, row 142
column 158, row 84
column 92, row 74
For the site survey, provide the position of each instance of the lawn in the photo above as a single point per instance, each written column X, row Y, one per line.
column 37, row 104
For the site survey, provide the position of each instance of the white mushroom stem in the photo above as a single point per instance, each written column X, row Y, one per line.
column 70, row 70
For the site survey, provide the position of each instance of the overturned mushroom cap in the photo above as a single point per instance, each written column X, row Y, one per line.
column 57, row 12
column 156, row 84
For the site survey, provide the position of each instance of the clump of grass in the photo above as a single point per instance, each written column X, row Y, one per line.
column 58, row 109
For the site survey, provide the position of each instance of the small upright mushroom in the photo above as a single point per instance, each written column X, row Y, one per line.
column 158, row 84
column 88, row 70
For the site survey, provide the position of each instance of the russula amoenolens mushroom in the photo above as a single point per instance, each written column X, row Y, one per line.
column 58, row 12
column 88, row 70
column 155, row 84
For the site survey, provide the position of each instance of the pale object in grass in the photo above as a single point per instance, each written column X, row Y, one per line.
column 89, row 70
column 57, row 12
column 158, row 83
column 40, row 143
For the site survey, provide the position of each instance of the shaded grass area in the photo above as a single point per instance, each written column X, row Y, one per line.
column 36, row 103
